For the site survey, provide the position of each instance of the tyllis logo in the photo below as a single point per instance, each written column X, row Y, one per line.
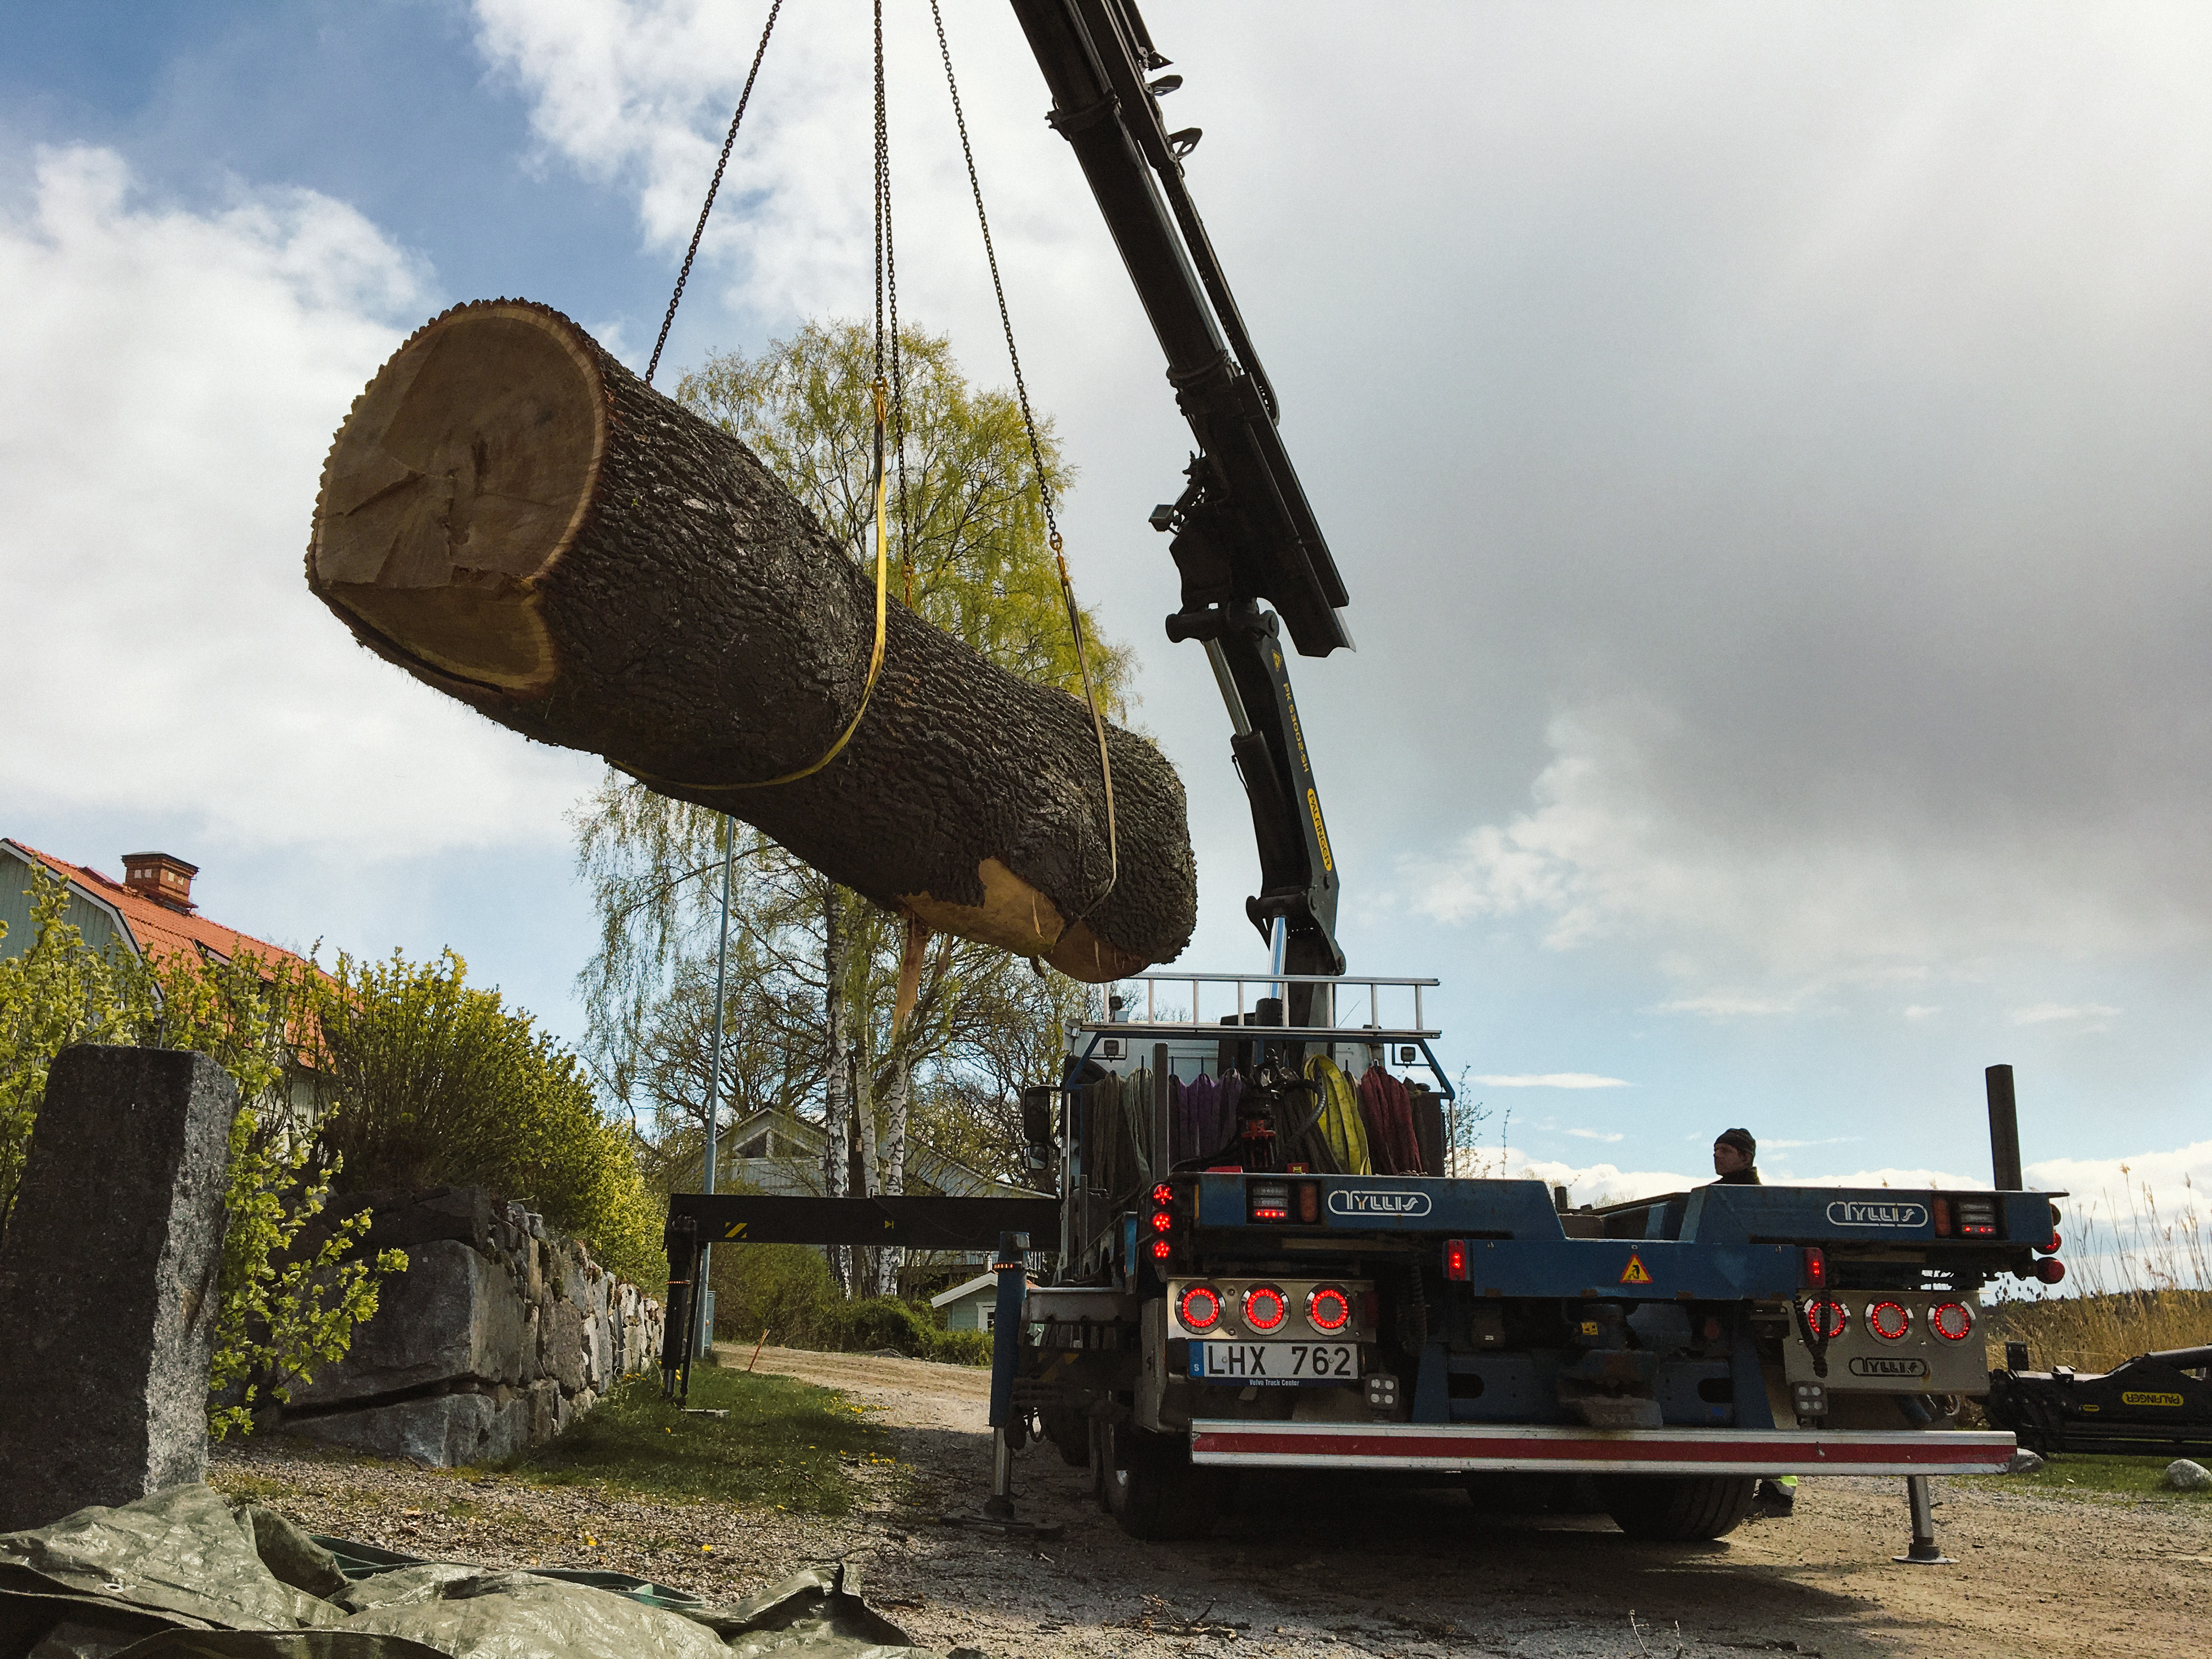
column 1851, row 1212
column 1354, row 1200
column 1889, row 1368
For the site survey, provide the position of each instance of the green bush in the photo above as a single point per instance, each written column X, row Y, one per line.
column 785, row 1290
column 441, row 1085
column 280, row 1315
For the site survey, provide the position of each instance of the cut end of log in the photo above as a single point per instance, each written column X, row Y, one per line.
column 1015, row 916
column 462, row 474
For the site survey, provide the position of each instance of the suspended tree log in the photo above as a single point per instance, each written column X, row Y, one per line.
column 512, row 517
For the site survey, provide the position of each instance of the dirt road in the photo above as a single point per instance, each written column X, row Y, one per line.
column 1308, row 1567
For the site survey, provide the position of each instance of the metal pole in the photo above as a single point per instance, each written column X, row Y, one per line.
column 705, row 1298
column 1924, row 1552
column 1012, row 1266
column 2004, row 1130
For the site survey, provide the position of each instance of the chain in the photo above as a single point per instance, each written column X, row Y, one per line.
column 998, row 287
column 1036, row 460
column 713, row 188
column 887, row 283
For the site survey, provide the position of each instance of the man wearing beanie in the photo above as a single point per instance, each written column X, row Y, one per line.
column 1735, row 1158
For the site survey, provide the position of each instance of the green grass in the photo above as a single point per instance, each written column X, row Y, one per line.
column 781, row 1443
column 2077, row 1473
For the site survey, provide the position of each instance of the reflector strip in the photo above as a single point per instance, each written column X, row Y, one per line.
column 1647, row 1451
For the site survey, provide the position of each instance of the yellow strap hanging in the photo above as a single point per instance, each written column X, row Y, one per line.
column 875, row 656
column 1340, row 1124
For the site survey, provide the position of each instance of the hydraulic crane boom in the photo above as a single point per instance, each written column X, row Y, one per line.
column 1243, row 529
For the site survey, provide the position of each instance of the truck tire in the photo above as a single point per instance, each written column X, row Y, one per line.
column 1155, row 1492
column 1664, row 1509
column 1070, row 1431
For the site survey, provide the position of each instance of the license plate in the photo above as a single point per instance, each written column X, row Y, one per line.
column 1274, row 1363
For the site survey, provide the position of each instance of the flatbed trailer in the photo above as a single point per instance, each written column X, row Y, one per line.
column 1213, row 1319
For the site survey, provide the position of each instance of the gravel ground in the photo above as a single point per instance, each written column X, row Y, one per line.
column 1340, row 1567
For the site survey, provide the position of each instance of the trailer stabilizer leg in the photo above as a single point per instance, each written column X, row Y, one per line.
column 1924, row 1552
column 1000, row 1506
column 1007, row 1324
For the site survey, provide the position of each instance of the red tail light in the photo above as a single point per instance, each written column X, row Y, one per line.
column 1952, row 1321
column 1328, row 1308
column 1265, row 1308
column 1455, row 1259
column 1162, row 1221
column 1889, row 1321
column 1816, row 1268
column 2052, row 1249
column 1309, row 1202
column 1199, row 1308
column 1829, row 1318
column 1942, row 1209
column 2050, row 1270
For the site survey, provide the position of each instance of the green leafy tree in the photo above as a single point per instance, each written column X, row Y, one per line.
column 441, row 1083
column 808, row 1012
column 278, row 1318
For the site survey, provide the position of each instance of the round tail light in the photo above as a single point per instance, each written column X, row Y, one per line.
column 1952, row 1321
column 1889, row 1321
column 1265, row 1308
column 2050, row 1270
column 1199, row 1308
column 1328, row 1308
column 1830, row 1319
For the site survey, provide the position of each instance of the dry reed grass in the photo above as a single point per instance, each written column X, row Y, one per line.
column 2136, row 1284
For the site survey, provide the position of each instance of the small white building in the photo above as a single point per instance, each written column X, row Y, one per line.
column 972, row 1306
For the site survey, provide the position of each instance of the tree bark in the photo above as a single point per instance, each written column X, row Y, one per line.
column 893, row 1256
column 513, row 518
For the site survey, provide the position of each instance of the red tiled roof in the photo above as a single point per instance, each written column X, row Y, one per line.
column 160, row 931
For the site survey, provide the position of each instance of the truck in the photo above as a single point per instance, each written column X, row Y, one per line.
column 1233, row 1309
column 1253, row 1293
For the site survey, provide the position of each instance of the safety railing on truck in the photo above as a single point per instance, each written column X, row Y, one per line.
column 1248, row 991
column 1117, row 1130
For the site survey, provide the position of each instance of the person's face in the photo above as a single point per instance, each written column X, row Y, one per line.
column 1726, row 1160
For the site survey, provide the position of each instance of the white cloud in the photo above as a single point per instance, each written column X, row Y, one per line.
column 174, row 377
column 1920, row 1011
column 1551, row 1080
column 1729, row 1005
column 639, row 93
column 1596, row 1135
column 2088, row 1016
column 1638, row 835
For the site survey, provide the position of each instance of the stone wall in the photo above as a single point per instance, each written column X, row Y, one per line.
column 499, row 1334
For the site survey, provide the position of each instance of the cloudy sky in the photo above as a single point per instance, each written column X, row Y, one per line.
column 1766, row 445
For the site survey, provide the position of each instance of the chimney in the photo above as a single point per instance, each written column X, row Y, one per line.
column 164, row 879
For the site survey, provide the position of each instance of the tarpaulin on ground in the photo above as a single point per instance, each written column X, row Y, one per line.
column 184, row 1574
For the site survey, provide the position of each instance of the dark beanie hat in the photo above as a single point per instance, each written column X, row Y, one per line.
column 1738, row 1138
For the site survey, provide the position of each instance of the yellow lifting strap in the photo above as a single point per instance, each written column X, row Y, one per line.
column 875, row 656
column 1339, row 1121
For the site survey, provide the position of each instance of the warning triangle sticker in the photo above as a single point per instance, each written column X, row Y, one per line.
column 1635, row 1273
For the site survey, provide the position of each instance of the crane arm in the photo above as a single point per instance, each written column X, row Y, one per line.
column 1242, row 529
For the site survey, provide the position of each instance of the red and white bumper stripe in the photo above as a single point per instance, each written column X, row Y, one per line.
column 1458, row 1447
